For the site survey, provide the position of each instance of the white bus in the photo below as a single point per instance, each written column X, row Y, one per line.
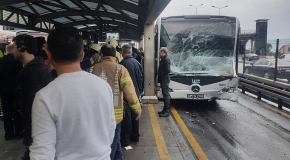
column 32, row 33
column 7, row 35
column 203, row 50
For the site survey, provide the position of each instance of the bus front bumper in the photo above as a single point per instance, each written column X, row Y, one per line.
column 231, row 94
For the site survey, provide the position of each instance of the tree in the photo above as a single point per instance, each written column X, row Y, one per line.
column 268, row 49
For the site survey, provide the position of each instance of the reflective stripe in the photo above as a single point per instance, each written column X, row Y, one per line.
column 119, row 116
column 126, row 79
column 135, row 106
column 118, row 111
column 116, row 87
column 117, row 119
column 91, row 69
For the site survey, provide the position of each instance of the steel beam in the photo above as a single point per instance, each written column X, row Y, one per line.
column 123, row 5
column 135, row 28
column 85, row 13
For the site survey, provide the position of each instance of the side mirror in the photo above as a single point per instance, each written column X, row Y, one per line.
column 252, row 63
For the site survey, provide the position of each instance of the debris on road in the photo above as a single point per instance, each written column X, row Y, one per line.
column 192, row 115
column 128, row 147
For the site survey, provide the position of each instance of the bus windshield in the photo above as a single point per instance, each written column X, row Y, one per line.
column 199, row 47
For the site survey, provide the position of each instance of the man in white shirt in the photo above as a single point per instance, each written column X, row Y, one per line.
column 73, row 116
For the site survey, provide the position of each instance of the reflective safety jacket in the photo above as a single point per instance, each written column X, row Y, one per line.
column 2, row 54
column 121, row 83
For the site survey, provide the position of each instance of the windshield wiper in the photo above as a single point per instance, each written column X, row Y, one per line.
column 171, row 74
column 193, row 73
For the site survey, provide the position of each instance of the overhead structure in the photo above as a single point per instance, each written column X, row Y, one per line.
column 92, row 17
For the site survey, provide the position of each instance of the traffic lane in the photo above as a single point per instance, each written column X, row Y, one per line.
column 229, row 130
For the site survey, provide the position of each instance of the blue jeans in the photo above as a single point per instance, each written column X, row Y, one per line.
column 116, row 153
column 166, row 95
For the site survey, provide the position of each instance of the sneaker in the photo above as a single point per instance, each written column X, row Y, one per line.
column 162, row 112
column 166, row 114
column 124, row 144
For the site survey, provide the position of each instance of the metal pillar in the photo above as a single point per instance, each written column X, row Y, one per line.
column 149, row 79
column 252, row 45
column 261, row 36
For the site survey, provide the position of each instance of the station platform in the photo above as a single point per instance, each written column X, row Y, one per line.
column 160, row 138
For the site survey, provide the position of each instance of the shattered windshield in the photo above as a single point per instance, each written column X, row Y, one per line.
column 204, row 48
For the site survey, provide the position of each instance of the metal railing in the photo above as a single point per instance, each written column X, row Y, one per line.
column 278, row 92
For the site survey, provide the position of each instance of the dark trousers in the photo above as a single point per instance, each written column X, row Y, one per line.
column 116, row 153
column 166, row 95
column 12, row 117
column 129, row 127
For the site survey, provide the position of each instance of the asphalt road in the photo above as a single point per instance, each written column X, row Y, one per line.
column 237, row 130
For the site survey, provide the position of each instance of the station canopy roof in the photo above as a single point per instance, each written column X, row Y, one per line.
column 93, row 17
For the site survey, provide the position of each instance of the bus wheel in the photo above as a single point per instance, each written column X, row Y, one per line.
column 212, row 102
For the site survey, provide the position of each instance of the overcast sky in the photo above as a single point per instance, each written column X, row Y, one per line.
column 247, row 11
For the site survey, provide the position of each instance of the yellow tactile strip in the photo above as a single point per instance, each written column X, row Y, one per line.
column 193, row 143
column 161, row 146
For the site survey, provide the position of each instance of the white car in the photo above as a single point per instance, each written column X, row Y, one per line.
column 286, row 57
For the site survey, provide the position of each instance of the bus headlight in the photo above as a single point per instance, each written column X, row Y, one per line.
column 232, row 90
column 224, row 90
column 229, row 90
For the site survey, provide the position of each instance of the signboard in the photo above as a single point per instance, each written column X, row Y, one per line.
column 114, row 35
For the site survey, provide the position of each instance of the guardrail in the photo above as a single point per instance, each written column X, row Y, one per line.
column 269, row 89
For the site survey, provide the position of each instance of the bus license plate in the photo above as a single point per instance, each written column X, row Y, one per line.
column 195, row 96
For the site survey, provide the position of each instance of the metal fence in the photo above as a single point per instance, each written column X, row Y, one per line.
column 278, row 51
column 272, row 87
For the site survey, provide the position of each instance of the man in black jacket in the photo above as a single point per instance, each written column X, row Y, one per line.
column 9, row 69
column 129, row 125
column 33, row 77
column 163, row 79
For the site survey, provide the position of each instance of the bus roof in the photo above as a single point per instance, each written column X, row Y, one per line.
column 199, row 17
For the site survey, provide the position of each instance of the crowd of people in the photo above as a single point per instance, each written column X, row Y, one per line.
column 71, row 101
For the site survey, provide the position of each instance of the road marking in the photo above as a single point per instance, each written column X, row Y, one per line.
column 193, row 143
column 161, row 146
column 264, row 104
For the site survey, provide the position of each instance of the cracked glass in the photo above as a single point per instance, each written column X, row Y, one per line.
column 199, row 47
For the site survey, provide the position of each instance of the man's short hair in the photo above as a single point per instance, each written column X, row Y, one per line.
column 26, row 43
column 108, row 50
column 164, row 49
column 40, row 42
column 134, row 50
column 65, row 44
column 127, row 48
